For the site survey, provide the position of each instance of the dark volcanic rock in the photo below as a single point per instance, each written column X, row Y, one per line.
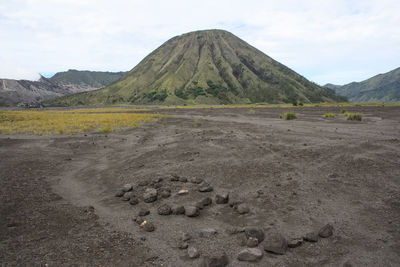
column 192, row 211
column 178, row 209
column 144, row 212
column 150, row 195
column 128, row 195
column 250, row 254
column 311, row 237
column 275, row 243
column 164, row 209
column 204, row 202
column 326, row 231
column 217, row 259
column 205, row 187
column 222, row 198
column 254, row 232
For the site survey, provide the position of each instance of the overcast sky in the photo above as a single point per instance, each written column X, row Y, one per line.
column 336, row 41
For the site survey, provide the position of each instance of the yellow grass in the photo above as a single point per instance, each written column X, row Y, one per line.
column 70, row 121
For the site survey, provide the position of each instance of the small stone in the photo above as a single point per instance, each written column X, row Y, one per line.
column 311, row 237
column 204, row 202
column 255, row 232
column 144, row 183
column 127, row 196
column 174, row 178
column 186, row 237
column 150, row 195
column 148, row 226
column 217, row 259
column 252, row 242
column 193, row 253
column 207, row 232
column 242, row 208
column 182, row 179
column 183, row 245
column 144, row 212
column 250, row 254
column 134, row 200
column 138, row 220
column 120, row 193
column 127, row 188
column 157, row 180
column 195, row 180
column 295, row 242
column 275, row 243
column 164, row 209
column 234, row 200
column 165, row 193
column 192, row 211
column 242, row 240
column 205, row 187
column 178, row 209
column 183, row 192
column 222, row 198
column 326, row 231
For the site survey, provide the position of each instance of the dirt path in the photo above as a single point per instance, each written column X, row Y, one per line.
column 309, row 172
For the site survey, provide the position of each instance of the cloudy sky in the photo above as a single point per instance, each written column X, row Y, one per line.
column 336, row 41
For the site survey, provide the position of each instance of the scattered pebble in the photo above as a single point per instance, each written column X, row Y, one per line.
column 217, row 259
column 164, row 209
column 165, row 193
column 326, row 231
column 250, row 254
column 311, row 237
column 183, row 245
column 134, row 200
column 195, row 180
column 192, row 211
column 127, row 196
column 193, row 253
column 252, row 242
column 205, row 187
column 150, row 195
column 183, row 179
column 144, row 212
column 186, row 237
column 148, row 226
column 207, row 232
column 295, row 242
column 255, row 232
column 243, row 208
column 222, row 198
column 203, row 203
column 178, row 209
column 275, row 243
column 127, row 187
column 120, row 193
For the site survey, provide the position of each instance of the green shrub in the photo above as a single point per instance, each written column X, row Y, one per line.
column 354, row 116
column 197, row 123
column 330, row 115
column 288, row 116
column 344, row 111
column 301, row 104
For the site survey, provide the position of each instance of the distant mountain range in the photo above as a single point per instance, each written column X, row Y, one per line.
column 380, row 88
column 31, row 93
column 206, row 67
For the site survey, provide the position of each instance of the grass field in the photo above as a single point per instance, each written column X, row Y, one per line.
column 71, row 121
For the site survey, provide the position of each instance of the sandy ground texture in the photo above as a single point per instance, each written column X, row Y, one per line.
column 58, row 203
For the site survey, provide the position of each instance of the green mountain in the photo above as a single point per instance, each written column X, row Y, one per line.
column 206, row 67
column 380, row 88
column 79, row 81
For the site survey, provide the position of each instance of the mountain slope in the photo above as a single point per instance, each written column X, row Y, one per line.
column 380, row 88
column 79, row 81
column 21, row 92
column 211, row 67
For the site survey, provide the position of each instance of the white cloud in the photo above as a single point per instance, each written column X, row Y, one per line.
column 334, row 41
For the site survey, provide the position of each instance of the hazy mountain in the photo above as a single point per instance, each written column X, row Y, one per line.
column 79, row 81
column 20, row 92
column 213, row 67
column 380, row 88
column 24, row 92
